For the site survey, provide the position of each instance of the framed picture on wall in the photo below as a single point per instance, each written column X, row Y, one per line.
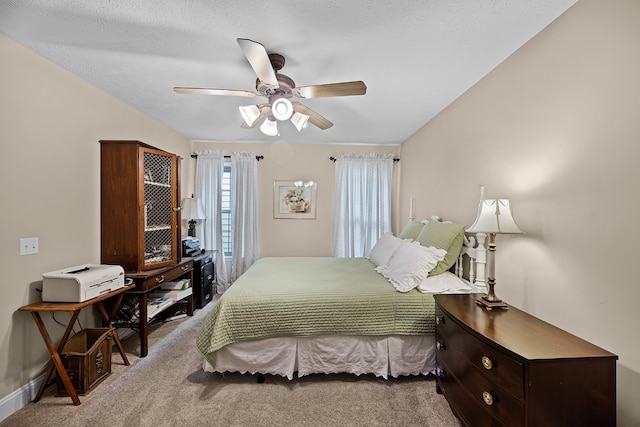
column 294, row 199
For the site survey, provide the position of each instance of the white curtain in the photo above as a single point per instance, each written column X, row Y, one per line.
column 209, row 170
column 363, row 202
column 244, row 183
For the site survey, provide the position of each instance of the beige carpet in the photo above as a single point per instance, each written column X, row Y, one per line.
column 169, row 388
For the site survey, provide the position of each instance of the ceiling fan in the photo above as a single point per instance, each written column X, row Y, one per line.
column 278, row 89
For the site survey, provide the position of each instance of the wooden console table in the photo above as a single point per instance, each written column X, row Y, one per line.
column 72, row 307
column 147, row 281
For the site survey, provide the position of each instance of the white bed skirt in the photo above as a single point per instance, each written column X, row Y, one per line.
column 394, row 355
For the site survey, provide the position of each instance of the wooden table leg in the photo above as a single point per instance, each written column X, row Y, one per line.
column 55, row 356
column 108, row 319
column 190, row 305
column 143, row 324
column 190, row 300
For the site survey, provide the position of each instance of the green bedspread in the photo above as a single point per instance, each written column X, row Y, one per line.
column 309, row 296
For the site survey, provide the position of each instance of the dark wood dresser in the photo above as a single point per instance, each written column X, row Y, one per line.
column 508, row 368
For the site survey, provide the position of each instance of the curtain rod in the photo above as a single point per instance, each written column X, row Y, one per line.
column 258, row 158
column 333, row 159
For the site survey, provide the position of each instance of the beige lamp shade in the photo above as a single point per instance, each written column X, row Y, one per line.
column 192, row 208
column 494, row 216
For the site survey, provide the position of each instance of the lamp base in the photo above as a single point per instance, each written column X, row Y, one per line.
column 490, row 304
column 192, row 228
column 490, row 300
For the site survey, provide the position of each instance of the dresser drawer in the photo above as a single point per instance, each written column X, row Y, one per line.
column 498, row 368
column 467, row 409
column 483, row 391
column 151, row 281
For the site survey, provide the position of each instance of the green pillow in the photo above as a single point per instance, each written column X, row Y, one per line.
column 411, row 230
column 443, row 235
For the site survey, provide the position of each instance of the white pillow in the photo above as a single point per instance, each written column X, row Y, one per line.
column 384, row 248
column 446, row 282
column 410, row 264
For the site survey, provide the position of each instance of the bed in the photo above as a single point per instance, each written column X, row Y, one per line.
column 375, row 315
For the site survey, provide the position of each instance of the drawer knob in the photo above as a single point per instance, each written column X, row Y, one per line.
column 160, row 279
column 486, row 362
column 487, row 397
column 439, row 320
column 439, row 345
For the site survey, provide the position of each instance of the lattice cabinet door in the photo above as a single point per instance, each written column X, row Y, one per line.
column 158, row 209
column 140, row 212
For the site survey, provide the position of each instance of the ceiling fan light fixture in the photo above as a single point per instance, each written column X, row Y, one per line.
column 282, row 109
column 269, row 127
column 278, row 89
column 299, row 120
column 250, row 113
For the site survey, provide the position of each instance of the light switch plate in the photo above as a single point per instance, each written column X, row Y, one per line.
column 29, row 246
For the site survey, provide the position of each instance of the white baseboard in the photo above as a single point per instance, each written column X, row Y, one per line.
column 19, row 398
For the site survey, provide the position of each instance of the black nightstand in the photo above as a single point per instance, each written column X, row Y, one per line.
column 204, row 278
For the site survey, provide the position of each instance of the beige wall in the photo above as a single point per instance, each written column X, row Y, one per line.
column 556, row 129
column 51, row 122
column 290, row 162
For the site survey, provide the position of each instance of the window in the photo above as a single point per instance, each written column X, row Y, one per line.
column 363, row 202
column 227, row 227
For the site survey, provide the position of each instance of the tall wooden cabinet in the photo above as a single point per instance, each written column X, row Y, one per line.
column 140, row 226
column 140, row 199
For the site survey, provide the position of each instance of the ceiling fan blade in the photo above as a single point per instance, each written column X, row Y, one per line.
column 259, row 59
column 332, row 89
column 264, row 111
column 208, row 91
column 314, row 118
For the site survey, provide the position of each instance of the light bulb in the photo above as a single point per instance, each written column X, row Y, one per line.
column 282, row 109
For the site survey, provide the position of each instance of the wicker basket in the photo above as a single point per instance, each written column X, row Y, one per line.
column 87, row 359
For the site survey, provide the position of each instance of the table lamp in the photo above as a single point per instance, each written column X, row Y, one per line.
column 192, row 210
column 494, row 217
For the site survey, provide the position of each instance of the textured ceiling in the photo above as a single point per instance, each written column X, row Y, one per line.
column 415, row 56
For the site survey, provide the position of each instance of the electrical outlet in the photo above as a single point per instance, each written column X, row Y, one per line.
column 29, row 246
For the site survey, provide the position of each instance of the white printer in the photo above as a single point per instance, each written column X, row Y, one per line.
column 81, row 283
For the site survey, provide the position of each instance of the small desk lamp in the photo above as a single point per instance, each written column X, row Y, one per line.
column 192, row 210
column 494, row 217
